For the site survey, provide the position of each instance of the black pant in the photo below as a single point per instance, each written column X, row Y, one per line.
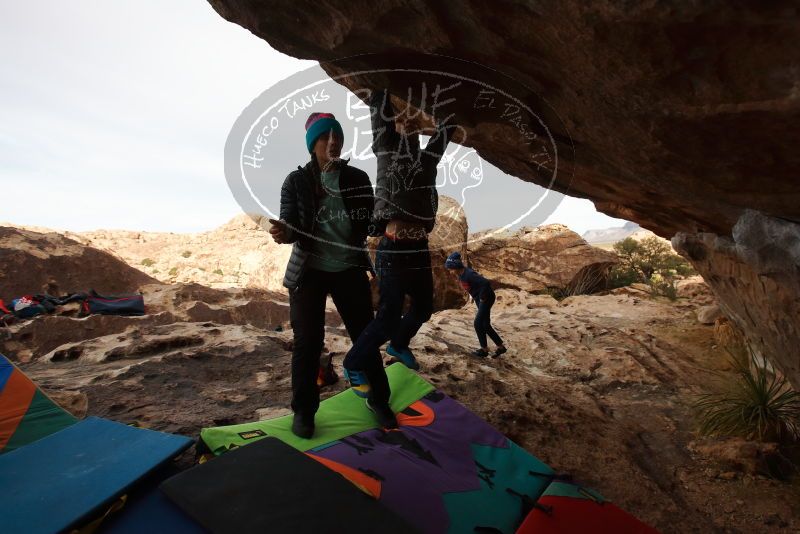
column 351, row 294
column 483, row 321
column 403, row 269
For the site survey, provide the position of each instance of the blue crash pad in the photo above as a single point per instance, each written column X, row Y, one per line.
column 63, row 479
column 148, row 510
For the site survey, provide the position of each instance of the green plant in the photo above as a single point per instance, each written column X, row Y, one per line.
column 186, row 253
column 663, row 286
column 757, row 404
column 147, row 262
column 173, row 271
column 621, row 276
column 641, row 260
column 685, row 269
column 217, row 271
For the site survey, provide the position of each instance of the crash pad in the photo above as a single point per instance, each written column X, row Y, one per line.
column 66, row 478
column 148, row 510
column 339, row 416
column 26, row 413
column 270, row 486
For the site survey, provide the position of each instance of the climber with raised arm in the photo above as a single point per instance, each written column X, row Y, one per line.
column 406, row 201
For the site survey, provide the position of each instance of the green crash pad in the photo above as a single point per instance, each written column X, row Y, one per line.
column 340, row 416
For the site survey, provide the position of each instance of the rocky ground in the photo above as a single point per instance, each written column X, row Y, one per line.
column 597, row 386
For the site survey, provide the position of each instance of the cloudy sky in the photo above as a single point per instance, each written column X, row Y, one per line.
column 115, row 115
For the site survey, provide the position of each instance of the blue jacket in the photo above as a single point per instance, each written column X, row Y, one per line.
column 475, row 284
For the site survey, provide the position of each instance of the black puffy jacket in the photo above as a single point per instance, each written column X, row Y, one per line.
column 299, row 204
column 406, row 179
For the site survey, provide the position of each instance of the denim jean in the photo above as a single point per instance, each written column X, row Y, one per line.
column 403, row 268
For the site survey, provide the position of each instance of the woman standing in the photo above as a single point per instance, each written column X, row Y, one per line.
column 325, row 213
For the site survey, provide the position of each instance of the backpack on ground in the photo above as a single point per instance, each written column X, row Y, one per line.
column 113, row 305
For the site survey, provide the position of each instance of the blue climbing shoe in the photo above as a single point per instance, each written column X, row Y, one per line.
column 358, row 382
column 404, row 356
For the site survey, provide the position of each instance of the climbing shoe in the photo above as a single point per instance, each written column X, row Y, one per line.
column 404, row 356
column 384, row 414
column 358, row 382
column 303, row 426
column 326, row 375
column 500, row 351
column 480, row 353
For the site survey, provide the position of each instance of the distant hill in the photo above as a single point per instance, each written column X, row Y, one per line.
column 610, row 235
column 606, row 237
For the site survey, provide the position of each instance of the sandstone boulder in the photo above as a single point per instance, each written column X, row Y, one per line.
column 754, row 275
column 695, row 289
column 34, row 262
column 535, row 259
column 708, row 314
column 239, row 253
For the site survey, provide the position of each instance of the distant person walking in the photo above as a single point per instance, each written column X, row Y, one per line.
column 405, row 213
column 480, row 289
column 325, row 212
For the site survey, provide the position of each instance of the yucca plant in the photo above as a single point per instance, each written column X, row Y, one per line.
column 758, row 404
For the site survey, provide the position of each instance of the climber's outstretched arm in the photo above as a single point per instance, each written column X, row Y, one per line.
column 384, row 135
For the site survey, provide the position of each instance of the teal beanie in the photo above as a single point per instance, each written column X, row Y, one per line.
column 319, row 123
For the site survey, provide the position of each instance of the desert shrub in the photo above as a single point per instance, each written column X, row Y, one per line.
column 217, row 271
column 663, row 286
column 588, row 280
column 173, row 271
column 186, row 253
column 147, row 262
column 641, row 260
column 621, row 276
column 757, row 404
column 685, row 269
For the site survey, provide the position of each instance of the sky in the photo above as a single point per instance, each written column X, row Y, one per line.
column 115, row 114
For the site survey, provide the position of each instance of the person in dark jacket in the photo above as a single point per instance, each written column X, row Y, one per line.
column 325, row 213
column 482, row 293
column 406, row 201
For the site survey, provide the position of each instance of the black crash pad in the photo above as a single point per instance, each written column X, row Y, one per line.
column 268, row 486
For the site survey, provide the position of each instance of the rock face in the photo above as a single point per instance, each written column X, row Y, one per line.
column 33, row 262
column 238, row 254
column 653, row 96
column 449, row 235
column 675, row 115
column 535, row 259
column 708, row 314
column 166, row 305
column 755, row 275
